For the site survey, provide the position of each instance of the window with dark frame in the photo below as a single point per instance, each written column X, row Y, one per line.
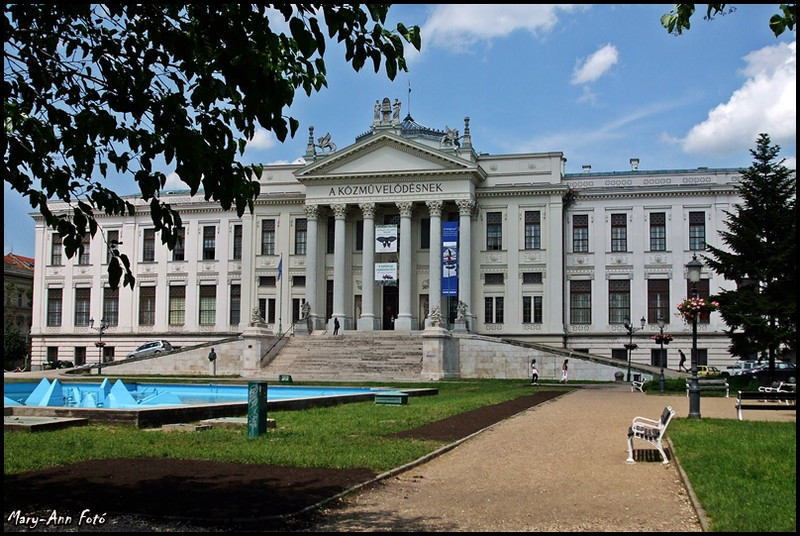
column 237, row 242
column 697, row 231
column 208, row 304
column 619, row 232
column 149, row 245
column 658, row 231
column 179, row 252
column 494, row 231
column 300, row 236
column 619, row 300
column 533, row 229
column 177, row 305
column 147, row 306
column 580, row 233
column 580, row 300
column 111, row 306
column 658, row 301
column 268, row 237
column 83, row 302
column 236, row 305
column 56, row 249
column 209, row 243
column 54, row 306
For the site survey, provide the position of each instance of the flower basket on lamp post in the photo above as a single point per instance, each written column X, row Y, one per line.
column 631, row 346
column 662, row 339
column 692, row 308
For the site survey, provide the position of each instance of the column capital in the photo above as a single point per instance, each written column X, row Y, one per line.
column 465, row 207
column 339, row 210
column 435, row 207
column 368, row 209
column 406, row 207
column 312, row 211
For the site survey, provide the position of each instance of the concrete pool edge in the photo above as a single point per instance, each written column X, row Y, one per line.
column 158, row 416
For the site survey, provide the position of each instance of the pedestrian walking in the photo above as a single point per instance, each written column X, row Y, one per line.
column 564, row 369
column 335, row 326
column 212, row 360
column 534, row 373
column 682, row 363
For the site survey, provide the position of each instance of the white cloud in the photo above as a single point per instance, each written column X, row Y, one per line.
column 262, row 140
column 766, row 102
column 457, row 26
column 596, row 65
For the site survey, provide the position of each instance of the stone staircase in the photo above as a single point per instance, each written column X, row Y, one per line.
column 376, row 356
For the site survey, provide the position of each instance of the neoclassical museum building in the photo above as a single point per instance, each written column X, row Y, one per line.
column 405, row 222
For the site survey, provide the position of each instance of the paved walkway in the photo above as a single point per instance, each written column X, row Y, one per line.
column 557, row 467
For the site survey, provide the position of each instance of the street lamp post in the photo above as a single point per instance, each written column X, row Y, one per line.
column 100, row 344
column 661, row 382
column 631, row 330
column 693, row 270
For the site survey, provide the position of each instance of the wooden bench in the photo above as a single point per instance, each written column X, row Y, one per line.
column 651, row 431
column 759, row 400
column 711, row 385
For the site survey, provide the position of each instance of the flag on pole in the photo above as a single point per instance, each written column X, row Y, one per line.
column 280, row 268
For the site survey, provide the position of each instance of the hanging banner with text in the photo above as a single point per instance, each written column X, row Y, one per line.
column 450, row 258
column 386, row 273
column 385, row 239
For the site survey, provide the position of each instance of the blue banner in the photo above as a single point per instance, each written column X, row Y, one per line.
column 450, row 258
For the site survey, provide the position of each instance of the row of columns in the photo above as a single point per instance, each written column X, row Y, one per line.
column 369, row 321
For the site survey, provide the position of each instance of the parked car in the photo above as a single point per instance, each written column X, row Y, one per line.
column 151, row 348
column 784, row 372
column 738, row 368
column 705, row 370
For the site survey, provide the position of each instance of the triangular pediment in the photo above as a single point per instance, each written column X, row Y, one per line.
column 384, row 154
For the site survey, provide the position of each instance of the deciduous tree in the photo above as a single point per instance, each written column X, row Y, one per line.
column 92, row 89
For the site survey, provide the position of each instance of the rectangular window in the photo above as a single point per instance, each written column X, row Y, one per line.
column 80, row 355
column 702, row 292
column 619, row 300
column 209, row 243
column 493, row 310
column 237, row 242
column 531, row 309
column 111, row 246
column 177, row 305
column 82, row 306
column 236, row 304
column 111, row 306
column 580, row 233
column 532, row 278
column 298, row 280
column 55, row 250
column 533, row 229
column 494, row 231
column 83, row 259
column 54, row 305
column 267, row 281
column 208, row 304
column 179, row 252
column 658, row 304
column 147, row 306
column 658, row 231
column 268, row 237
column 300, row 236
column 493, row 279
column 331, row 242
column 271, row 313
column 149, row 245
column 580, row 301
column 619, row 232
column 697, row 231
column 425, row 233
column 360, row 235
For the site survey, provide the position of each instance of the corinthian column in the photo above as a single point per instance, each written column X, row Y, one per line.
column 465, row 208
column 435, row 258
column 404, row 320
column 368, row 321
column 312, row 215
column 339, row 275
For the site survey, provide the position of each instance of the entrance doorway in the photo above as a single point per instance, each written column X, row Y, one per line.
column 390, row 304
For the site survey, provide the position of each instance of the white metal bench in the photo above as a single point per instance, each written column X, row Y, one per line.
column 651, row 431
column 760, row 400
column 711, row 385
column 637, row 384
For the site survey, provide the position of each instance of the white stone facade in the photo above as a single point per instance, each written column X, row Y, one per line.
column 542, row 256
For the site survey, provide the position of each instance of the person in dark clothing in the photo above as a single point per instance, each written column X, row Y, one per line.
column 335, row 326
column 682, row 363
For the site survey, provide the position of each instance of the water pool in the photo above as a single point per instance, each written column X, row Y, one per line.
column 120, row 395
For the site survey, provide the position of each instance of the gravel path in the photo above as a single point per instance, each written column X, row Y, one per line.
column 559, row 466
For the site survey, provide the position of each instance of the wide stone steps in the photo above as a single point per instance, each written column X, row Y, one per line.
column 353, row 356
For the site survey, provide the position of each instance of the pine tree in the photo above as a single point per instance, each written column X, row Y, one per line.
column 761, row 258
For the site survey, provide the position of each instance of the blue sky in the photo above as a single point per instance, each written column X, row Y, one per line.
column 600, row 83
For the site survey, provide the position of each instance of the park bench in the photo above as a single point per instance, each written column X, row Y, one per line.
column 762, row 400
column 651, row 431
column 637, row 384
column 711, row 385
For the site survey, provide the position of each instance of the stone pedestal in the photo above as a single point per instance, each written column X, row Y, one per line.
column 257, row 339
